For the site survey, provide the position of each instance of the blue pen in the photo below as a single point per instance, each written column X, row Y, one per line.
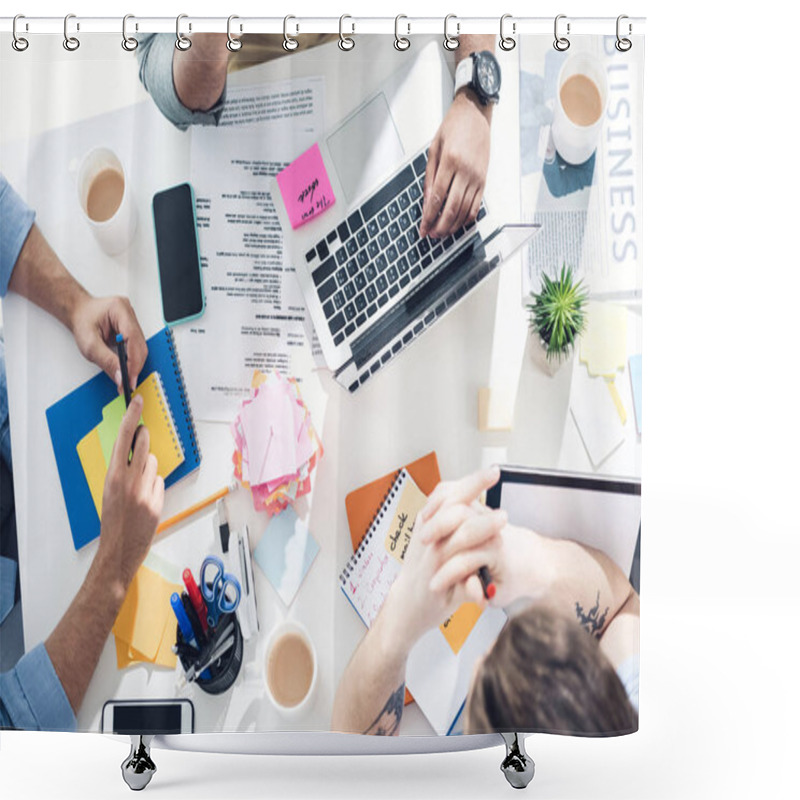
column 185, row 626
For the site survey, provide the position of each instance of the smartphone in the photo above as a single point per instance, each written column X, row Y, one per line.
column 144, row 717
column 179, row 271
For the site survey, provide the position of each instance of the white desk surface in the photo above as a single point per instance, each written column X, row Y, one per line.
column 426, row 400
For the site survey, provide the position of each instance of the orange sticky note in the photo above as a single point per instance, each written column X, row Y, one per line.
column 457, row 627
column 305, row 187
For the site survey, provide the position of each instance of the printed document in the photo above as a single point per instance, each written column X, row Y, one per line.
column 255, row 315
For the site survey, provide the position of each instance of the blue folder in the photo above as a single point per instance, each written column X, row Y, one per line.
column 72, row 417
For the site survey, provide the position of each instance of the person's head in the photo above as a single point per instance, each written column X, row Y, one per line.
column 545, row 673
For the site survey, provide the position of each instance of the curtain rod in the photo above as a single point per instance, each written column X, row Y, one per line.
column 405, row 25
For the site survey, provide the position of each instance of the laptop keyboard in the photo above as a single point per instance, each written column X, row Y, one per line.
column 370, row 257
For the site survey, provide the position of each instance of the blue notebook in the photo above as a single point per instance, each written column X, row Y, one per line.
column 72, row 417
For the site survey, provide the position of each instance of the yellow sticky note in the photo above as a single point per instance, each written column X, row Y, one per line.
column 604, row 343
column 457, row 627
column 398, row 534
column 165, row 444
column 90, row 453
column 164, row 656
column 144, row 612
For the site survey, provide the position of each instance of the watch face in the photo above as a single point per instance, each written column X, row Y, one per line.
column 488, row 74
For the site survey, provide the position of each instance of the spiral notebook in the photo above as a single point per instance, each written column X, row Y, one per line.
column 81, row 411
column 372, row 569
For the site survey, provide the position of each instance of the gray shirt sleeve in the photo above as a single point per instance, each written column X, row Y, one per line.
column 155, row 53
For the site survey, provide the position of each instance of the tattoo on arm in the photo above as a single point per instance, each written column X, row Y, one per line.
column 592, row 621
column 388, row 721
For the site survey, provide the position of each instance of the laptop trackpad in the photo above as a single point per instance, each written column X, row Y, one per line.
column 365, row 148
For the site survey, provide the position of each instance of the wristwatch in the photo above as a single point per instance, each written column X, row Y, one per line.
column 481, row 73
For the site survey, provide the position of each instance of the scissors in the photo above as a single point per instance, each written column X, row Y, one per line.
column 215, row 590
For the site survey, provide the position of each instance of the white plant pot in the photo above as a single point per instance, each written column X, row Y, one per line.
column 538, row 352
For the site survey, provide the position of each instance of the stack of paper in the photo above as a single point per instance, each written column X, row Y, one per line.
column 145, row 626
column 276, row 444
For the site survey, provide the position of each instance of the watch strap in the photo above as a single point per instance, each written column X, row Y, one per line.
column 464, row 70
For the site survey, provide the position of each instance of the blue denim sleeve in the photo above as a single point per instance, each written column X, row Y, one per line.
column 155, row 53
column 16, row 220
column 32, row 698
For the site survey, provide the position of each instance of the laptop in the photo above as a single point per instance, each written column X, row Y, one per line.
column 372, row 285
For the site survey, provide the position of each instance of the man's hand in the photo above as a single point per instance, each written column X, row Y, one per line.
column 95, row 321
column 133, row 497
column 458, row 161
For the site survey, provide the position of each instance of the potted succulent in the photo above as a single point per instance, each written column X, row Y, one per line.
column 557, row 318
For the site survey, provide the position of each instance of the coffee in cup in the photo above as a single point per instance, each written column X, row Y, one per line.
column 106, row 200
column 582, row 94
column 290, row 667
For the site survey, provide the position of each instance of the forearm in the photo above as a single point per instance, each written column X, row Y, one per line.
column 75, row 645
column 580, row 581
column 371, row 693
column 40, row 276
column 199, row 73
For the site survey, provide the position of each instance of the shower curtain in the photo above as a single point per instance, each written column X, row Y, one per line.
column 323, row 366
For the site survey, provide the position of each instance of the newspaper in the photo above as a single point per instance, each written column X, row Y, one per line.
column 591, row 214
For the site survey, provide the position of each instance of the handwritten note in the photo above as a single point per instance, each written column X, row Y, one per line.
column 305, row 187
column 398, row 535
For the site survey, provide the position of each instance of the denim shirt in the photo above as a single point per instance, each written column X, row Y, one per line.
column 16, row 220
column 31, row 695
column 155, row 53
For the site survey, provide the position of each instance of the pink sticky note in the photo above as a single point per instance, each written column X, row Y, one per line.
column 305, row 187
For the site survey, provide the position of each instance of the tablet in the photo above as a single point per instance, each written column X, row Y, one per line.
column 601, row 512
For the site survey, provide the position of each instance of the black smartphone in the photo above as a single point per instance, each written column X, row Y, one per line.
column 178, row 252
column 148, row 716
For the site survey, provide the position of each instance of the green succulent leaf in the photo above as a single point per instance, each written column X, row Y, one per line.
column 558, row 312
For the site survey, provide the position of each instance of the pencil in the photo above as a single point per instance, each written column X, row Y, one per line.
column 193, row 509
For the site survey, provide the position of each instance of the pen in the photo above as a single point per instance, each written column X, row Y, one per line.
column 197, row 637
column 489, row 588
column 122, row 354
column 243, row 568
column 123, row 369
column 194, row 620
column 183, row 620
column 224, row 528
column 195, row 598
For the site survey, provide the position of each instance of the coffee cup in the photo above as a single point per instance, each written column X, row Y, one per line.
column 289, row 668
column 106, row 200
column 580, row 106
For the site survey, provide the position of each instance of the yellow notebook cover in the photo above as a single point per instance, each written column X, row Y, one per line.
column 94, row 466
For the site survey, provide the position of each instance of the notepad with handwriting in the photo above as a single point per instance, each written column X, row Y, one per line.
column 373, row 568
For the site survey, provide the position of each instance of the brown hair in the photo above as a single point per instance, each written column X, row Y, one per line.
column 545, row 673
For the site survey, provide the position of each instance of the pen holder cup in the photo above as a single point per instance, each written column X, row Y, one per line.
column 225, row 669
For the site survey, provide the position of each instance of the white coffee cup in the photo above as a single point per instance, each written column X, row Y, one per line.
column 574, row 140
column 106, row 199
column 283, row 633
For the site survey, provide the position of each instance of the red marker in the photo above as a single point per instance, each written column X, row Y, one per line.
column 195, row 598
column 489, row 588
